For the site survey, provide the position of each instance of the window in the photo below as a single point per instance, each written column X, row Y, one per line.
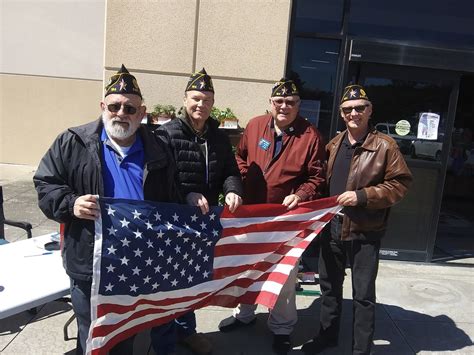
column 314, row 68
column 425, row 21
column 318, row 16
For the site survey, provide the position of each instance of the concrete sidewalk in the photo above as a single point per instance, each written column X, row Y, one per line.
column 422, row 308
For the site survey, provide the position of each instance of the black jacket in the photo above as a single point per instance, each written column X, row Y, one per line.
column 205, row 164
column 72, row 167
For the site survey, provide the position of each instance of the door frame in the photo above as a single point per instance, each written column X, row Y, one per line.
column 425, row 62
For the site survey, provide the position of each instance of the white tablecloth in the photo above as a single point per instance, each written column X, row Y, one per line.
column 29, row 275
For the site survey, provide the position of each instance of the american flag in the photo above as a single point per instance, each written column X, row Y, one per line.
column 156, row 261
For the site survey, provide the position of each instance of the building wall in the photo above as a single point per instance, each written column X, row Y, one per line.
column 242, row 45
column 51, row 72
column 35, row 110
column 52, row 65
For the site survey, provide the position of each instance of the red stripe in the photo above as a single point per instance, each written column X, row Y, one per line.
column 264, row 297
column 105, row 308
column 266, row 227
column 269, row 210
column 260, row 266
column 104, row 330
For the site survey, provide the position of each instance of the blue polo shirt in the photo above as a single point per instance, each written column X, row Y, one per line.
column 123, row 174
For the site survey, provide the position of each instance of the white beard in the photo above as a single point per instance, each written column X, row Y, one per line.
column 118, row 131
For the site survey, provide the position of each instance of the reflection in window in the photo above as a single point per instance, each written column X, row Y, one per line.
column 412, row 112
column 313, row 68
column 318, row 16
column 426, row 21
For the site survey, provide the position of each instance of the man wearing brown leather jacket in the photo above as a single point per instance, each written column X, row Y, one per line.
column 368, row 173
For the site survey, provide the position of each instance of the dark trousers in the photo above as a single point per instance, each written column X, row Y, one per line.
column 186, row 325
column 81, row 303
column 363, row 258
column 164, row 337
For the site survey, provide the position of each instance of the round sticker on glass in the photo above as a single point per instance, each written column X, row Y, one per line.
column 402, row 127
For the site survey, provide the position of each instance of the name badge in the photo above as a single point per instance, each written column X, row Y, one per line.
column 264, row 144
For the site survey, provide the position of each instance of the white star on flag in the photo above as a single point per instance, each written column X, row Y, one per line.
column 125, row 242
column 149, row 225
column 110, row 211
column 124, row 223
column 136, row 214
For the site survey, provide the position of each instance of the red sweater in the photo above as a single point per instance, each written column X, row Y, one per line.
column 298, row 169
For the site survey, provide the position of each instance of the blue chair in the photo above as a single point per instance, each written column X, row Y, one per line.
column 23, row 225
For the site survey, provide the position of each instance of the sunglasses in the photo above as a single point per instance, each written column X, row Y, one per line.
column 127, row 109
column 348, row 110
column 289, row 103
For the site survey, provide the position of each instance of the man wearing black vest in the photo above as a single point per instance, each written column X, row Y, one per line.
column 206, row 168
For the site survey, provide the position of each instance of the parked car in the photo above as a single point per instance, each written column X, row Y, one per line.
column 404, row 142
column 428, row 149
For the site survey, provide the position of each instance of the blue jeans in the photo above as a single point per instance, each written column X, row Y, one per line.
column 163, row 338
column 81, row 303
column 186, row 325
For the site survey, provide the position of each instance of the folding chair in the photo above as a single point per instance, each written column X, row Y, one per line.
column 23, row 225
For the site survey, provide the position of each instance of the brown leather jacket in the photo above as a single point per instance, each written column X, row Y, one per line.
column 380, row 177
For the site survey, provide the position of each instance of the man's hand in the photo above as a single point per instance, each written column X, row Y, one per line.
column 233, row 201
column 291, row 201
column 348, row 198
column 197, row 199
column 86, row 207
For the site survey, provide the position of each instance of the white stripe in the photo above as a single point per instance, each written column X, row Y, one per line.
column 258, row 237
column 269, row 286
column 97, row 261
column 240, row 260
column 267, row 237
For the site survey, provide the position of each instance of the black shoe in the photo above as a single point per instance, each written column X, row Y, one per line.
column 232, row 323
column 281, row 343
column 318, row 344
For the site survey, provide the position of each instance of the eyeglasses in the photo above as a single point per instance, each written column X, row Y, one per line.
column 348, row 110
column 127, row 109
column 289, row 103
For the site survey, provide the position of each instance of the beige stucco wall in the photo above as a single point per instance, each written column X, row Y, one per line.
column 34, row 110
column 242, row 45
column 51, row 70
column 52, row 38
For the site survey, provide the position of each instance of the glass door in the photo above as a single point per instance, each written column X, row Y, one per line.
column 455, row 236
column 415, row 106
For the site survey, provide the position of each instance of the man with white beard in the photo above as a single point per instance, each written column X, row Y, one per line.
column 113, row 156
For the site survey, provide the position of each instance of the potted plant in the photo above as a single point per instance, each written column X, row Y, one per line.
column 226, row 117
column 163, row 113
